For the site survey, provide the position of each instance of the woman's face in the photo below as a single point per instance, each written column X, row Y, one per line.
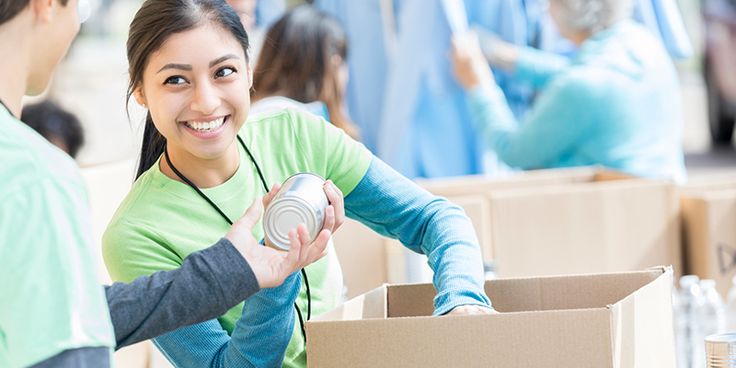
column 196, row 88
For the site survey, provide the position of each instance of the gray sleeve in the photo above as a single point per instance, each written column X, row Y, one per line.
column 207, row 284
column 98, row 357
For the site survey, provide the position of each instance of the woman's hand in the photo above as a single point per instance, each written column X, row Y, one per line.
column 469, row 64
column 471, row 310
column 272, row 267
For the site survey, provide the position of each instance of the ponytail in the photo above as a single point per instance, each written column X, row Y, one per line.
column 152, row 147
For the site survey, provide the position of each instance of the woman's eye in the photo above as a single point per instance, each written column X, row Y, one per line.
column 176, row 80
column 224, row 72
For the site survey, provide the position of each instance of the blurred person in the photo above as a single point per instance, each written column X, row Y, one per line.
column 425, row 129
column 52, row 312
column 303, row 65
column 257, row 16
column 611, row 105
column 202, row 157
column 507, row 24
column 58, row 126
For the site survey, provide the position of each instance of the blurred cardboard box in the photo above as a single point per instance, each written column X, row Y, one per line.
column 362, row 257
column 577, row 220
column 709, row 228
column 617, row 320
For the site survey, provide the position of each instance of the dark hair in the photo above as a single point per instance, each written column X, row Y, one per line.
column 153, row 24
column 54, row 123
column 10, row 8
column 295, row 62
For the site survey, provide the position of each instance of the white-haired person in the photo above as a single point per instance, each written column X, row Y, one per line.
column 616, row 103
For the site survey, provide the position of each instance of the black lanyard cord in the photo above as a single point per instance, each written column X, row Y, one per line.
column 230, row 222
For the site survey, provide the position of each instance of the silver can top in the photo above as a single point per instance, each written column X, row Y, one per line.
column 301, row 200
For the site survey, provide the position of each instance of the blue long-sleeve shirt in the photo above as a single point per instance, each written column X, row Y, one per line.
column 391, row 205
column 615, row 104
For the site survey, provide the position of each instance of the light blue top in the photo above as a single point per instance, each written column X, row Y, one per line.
column 389, row 204
column 527, row 23
column 615, row 104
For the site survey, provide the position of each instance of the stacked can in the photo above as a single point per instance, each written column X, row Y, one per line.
column 720, row 350
column 301, row 200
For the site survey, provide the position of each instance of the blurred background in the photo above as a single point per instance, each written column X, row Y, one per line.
column 92, row 83
column 93, row 79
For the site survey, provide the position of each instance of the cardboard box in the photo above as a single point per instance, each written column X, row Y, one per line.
column 362, row 257
column 709, row 229
column 578, row 220
column 617, row 320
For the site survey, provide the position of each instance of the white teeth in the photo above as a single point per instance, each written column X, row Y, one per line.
column 203, row 126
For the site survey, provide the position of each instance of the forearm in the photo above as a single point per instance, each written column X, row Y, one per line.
column 267, row 318
column 537, row 67
column 493, row 119
column 91, row 357
column 394, row 206
column 207, row 284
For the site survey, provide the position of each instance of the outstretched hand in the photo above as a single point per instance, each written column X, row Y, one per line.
column 272, row 267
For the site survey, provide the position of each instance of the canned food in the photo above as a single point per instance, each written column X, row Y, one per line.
column 301, row 200
column 720, row 350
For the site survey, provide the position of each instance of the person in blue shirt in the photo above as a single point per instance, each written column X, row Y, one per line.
column 611, row 105
column 506, row 23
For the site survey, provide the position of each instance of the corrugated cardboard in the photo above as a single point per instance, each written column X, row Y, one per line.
column 573, row 220
column 362, row 257
column 616, row 320
column 709, row 229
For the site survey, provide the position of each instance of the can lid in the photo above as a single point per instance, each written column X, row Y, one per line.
column 722, row 338
column 285, row 215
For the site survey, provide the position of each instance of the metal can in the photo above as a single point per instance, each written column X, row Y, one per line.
column 720, row 350
column 301, row 200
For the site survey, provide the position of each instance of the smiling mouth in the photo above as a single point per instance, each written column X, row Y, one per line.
column 206, row 126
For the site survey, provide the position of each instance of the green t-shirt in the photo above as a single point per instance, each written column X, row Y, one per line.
column 50, row 300
column 161, row 221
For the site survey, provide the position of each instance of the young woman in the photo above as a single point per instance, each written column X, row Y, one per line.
column 303, row 65
column 201, row 163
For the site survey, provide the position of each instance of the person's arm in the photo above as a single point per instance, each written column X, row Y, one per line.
column 50, row 301
column 394, row 206
column 558, row 121
column 259, row 339
column 98, row 357
column 525, row 64
column 538, row 67
column 207, row 284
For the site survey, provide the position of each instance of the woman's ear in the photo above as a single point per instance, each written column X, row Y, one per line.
column 250, row 77
column 140, row 98
column 43, row 9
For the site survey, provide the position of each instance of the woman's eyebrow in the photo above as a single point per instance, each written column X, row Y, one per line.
column 186, row 67
column 223, row 58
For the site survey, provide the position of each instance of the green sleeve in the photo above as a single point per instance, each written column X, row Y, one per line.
column 330, row 151
column 132, row 249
